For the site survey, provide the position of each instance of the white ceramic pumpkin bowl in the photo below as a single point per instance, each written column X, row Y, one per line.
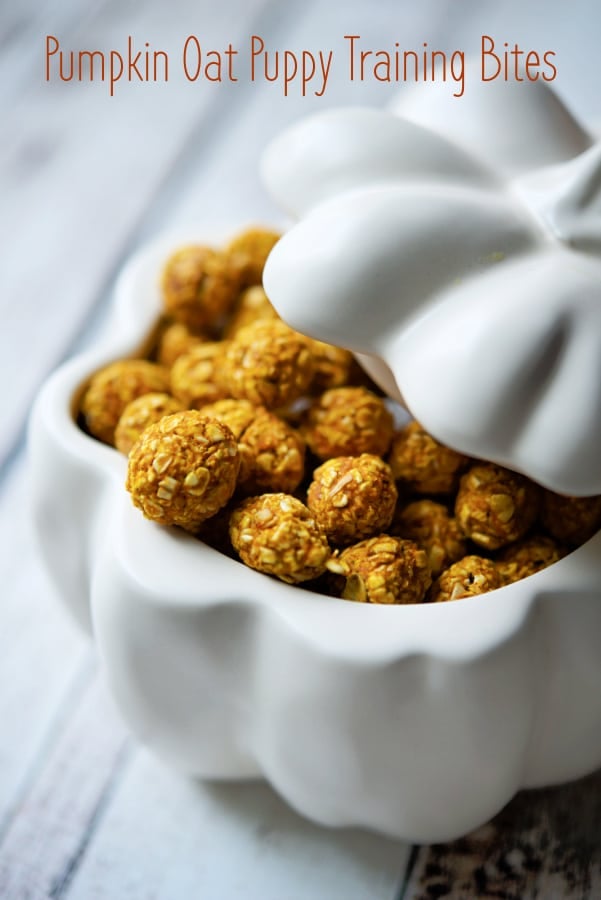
column 417, row 721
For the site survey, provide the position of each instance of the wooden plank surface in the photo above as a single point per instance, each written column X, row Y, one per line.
column 200, row 840
column 84, row 812
column 42, row 848
column 545, row 845
column 62, row 807
column 44, row 663
column 77, row 171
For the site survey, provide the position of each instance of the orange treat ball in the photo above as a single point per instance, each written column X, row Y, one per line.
column 272, row 454
column 139, row 414
column 527, row 557
column 348, row 421
column 248, row 251
column 252, row 306
column 175, row 341
column 469, row 576
column 382, row 569
column 421, row 464
column 194, row 376
column 430, row 525
column 276, row 534
column 352, row 497
column 572, row 520
column 183, row 469
column 236, row 414
column 268, row 364
column 199, row 287
column 112, row 388
column 333, row 366
column 495, row 506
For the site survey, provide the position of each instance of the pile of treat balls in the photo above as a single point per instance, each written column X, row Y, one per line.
column 277, row 448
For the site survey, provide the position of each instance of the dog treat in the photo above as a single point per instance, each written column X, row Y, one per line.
column 139, row 414
column 228, row 411
column 247, row 253
column 348, row 421
column 112, row 388
column 183, row 469
column 277, row 534
column 194, row 376
column 267, row 363
column 495, row 506
column 528, row 556
column 352, row 497
column 272, row 454
column 176, row 340
column 333, row 366
column 469, row 576
column 429, row 524
column 199, row 287
column 382, row 569
column 571, row 520
column 252, row 306
column 236, row 414
column 421, row 464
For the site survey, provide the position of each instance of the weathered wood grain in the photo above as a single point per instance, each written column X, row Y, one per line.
column 545, row 845
column 168, row 838
column 37, row 860
column 44, row 662
column 23, row 26
column 44, row 844
column 62, row 750
column 83, row 179
column 77, row 170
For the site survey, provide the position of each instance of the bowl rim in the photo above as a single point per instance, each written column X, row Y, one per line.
column 366, row 633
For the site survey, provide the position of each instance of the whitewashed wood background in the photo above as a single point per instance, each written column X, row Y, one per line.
column 85, row 812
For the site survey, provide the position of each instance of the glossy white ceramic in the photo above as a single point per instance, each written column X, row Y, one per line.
column 459, row 241
column 420, row 722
